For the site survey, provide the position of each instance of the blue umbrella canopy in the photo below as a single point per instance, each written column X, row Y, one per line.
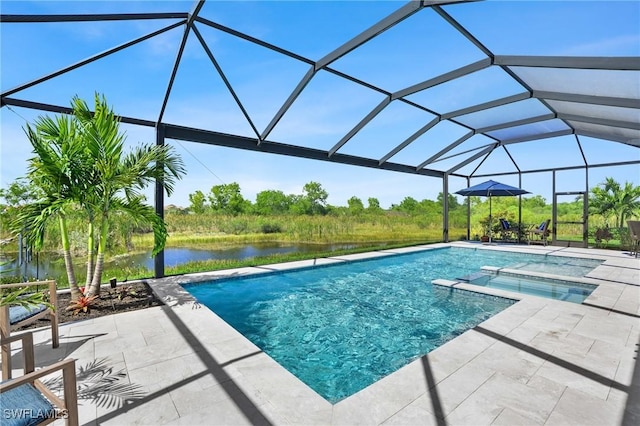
column 490, row 189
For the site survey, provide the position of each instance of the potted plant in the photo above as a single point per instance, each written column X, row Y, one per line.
column 486, row 228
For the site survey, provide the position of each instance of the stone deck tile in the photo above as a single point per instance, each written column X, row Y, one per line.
column 581, row 409
column 499, row 393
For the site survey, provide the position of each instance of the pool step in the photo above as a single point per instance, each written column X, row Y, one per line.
column 476, row 278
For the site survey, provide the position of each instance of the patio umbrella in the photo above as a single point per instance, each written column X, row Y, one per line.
column 490, row 189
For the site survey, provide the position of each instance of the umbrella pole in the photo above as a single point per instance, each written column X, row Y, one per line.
column 490, row 220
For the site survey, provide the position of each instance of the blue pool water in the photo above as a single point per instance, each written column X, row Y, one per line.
column 567, row 291
column 340, row 328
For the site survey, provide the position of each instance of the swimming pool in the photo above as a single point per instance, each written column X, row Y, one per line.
column 341, row 327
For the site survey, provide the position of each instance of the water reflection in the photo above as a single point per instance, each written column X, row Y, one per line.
column 50, row 266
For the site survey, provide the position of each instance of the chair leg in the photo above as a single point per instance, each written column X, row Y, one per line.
column 5, row 331
column 55, row 334
column 70, row 394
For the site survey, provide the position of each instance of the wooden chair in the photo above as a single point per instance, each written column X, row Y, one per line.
column 540, row 234
column 25, row 400
column 17, row 316
column 602, row 236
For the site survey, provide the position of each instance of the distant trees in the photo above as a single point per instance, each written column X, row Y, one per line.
column 537, row 201
column 197, row 202
column 19, row 193
column 609, row 199
column 355, row 205
column 453, row 201
column 272, row 202
column 16, row 196
column 407, row 205
column 316, row 196
column 227, row 199
column 374, row 205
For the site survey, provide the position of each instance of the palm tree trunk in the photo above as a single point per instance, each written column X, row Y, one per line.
column 66, row 249
column 90, row 265
column 97, row 273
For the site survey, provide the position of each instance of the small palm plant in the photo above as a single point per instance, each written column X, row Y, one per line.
column 123, row 292
column 20, row 297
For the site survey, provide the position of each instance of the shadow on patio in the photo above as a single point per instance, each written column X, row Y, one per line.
column 244, row 404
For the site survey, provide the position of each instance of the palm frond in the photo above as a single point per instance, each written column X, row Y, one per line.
column 21, row 297
column 141, row 213
column 98, row 382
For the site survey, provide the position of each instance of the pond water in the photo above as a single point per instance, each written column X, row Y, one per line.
column 178, row 256
column 42, row 266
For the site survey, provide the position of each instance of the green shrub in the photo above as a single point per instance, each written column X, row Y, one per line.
column 235, row 226
column 270, row 228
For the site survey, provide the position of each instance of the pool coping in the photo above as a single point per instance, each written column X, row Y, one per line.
column 285, row 399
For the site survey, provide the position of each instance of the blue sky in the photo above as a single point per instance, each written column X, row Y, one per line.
column 422, row 47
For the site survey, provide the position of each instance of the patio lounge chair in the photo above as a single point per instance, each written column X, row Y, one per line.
column 540, row 234
column 602, row 236
column 26, row 401
column 507, row 232
column 634, row 232
column 17, row 316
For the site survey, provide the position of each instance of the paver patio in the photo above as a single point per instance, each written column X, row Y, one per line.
column 539, row 361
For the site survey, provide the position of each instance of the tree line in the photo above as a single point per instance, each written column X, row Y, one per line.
column 612, row 202
column 228, row 199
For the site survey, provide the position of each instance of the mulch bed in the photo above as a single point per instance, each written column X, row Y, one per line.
column 124, row 298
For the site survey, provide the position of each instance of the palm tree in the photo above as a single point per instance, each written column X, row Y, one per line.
column 118, row 178
column 610, row 198
column 80, row 163
column 58, row 169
